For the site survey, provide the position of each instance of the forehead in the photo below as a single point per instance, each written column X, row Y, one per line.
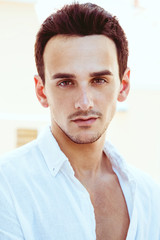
column 66, row 51
column 83, row 42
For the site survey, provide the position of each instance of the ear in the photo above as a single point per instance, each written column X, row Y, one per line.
column 40, row 91
column 125, row 86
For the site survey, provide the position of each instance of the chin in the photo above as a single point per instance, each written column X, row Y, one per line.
column 84, row 139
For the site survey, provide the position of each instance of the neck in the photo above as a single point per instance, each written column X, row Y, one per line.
column 86, row 159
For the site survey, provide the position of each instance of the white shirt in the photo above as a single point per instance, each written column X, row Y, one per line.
column 40, row 198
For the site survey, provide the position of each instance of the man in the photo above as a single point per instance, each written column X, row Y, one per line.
column 70, row 183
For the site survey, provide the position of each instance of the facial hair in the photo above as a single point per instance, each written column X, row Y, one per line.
column 77, row 138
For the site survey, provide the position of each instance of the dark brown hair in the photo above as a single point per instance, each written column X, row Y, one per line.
column 81, row 20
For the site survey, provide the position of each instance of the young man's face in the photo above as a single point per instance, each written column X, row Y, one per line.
column 82, row 85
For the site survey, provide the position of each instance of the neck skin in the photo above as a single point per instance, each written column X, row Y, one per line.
column 87, row 160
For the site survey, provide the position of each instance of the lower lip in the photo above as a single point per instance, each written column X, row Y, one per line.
column 83, row 123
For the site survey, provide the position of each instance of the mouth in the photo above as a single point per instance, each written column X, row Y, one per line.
column 85, row 121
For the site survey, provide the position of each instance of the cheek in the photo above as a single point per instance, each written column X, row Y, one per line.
column 55, row 99
column 113, row 93
column 109, row 96
column 60, row 106
column 108, row 102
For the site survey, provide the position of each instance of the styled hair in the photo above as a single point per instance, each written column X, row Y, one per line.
column 81, row 20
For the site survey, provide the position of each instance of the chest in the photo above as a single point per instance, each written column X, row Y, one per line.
column 112, row 219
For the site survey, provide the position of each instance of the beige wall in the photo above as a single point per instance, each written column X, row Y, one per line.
column 19, row 107
column 18, row 24
column 136, row 132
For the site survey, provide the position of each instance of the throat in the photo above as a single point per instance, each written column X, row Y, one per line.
column 89, row 167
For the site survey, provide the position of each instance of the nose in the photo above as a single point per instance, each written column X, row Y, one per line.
column 84, row 101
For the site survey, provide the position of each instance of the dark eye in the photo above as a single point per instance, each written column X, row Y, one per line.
column 65, row 83
column 99, row 81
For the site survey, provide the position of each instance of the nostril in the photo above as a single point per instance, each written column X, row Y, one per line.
column 84, row 103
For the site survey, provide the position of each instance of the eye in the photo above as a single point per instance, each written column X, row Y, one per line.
column 99, row 81
column 65, row 83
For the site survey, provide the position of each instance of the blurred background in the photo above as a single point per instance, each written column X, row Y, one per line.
column 135, row 130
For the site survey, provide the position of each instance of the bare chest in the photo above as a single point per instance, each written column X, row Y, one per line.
column 112, row 219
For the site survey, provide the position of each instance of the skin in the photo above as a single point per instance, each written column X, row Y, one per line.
column 81, row 89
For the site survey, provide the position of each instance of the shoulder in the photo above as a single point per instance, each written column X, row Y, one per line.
column 147, row 202
column 18, row 152
column 144, row 182
column 147, row 188
column 144, row 179
column 19, row 170
column 19, row 159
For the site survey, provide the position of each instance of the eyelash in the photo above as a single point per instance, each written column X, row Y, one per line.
column 99, row 80
column 67, row 83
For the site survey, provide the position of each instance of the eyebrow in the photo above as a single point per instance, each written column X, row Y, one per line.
column 63, row 75
column 94, row 74
column 101, row 73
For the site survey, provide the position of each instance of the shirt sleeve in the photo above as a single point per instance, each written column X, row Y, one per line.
column 10, row 228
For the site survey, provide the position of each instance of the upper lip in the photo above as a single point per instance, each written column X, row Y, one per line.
column 84, row 118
